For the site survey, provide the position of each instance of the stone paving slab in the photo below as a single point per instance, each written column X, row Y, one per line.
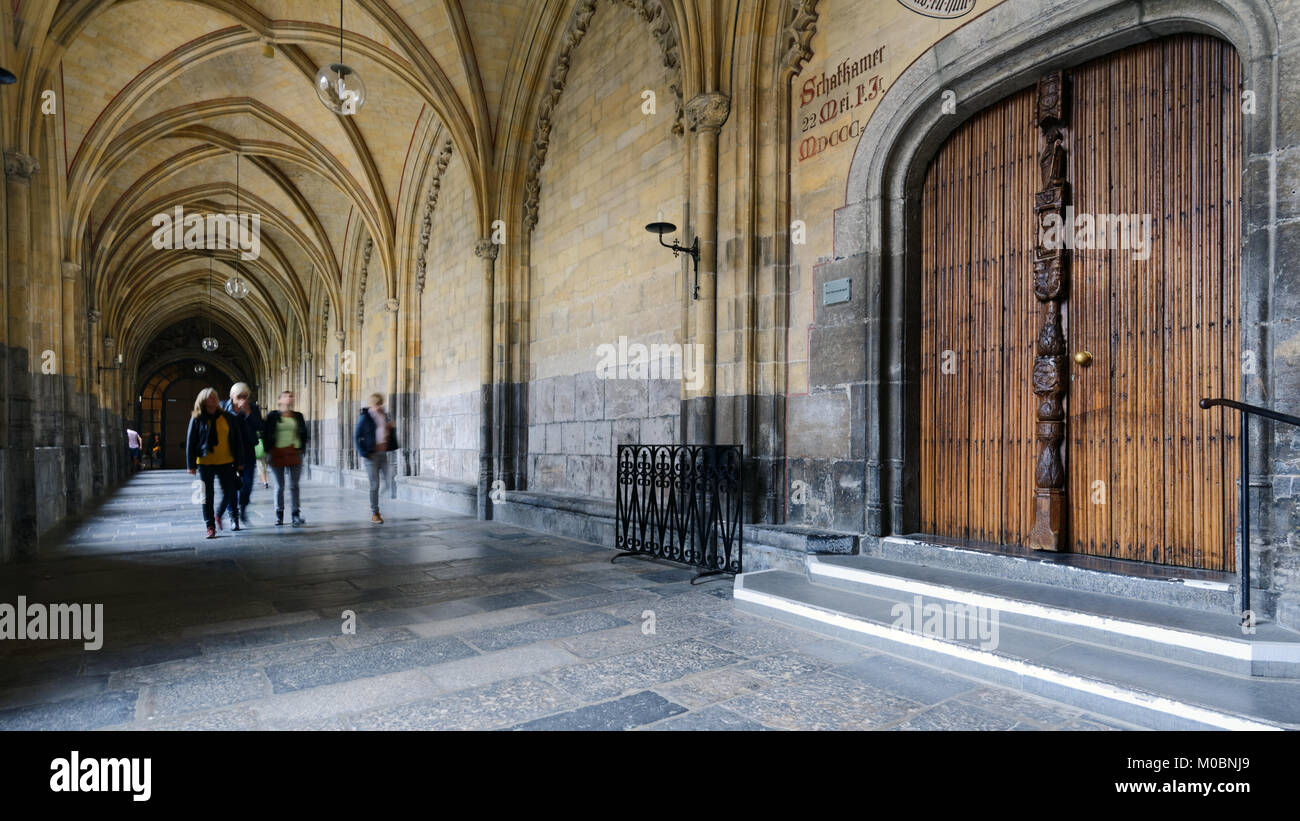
column 460, row 624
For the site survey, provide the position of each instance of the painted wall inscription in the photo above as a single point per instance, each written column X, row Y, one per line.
column 827, row 102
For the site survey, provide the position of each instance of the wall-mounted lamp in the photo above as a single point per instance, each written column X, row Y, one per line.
column 662, row 228
column 117, row 366
column 320, row 375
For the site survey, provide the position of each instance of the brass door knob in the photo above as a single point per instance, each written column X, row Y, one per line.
column 1083, row 358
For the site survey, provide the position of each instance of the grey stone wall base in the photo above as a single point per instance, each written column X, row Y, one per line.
column 445, row 494
column 583, row 518
column 786, row 547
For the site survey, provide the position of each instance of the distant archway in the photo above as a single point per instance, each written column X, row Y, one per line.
column 165, row 405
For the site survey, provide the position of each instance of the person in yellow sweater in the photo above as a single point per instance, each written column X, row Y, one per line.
column 214, row 449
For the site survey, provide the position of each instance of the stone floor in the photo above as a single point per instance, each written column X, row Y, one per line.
column 460, row 624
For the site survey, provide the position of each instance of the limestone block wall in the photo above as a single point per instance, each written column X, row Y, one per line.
column 450, row 322
column 377, row 344
column 577, row 423
column 596, row 274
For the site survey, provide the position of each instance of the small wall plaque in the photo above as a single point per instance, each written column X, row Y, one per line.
column 836, row 291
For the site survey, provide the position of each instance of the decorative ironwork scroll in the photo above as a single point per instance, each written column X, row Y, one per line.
column 1051, row 283
column 683, row 503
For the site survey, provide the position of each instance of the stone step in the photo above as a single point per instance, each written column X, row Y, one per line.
column 1179, row 634
column 1124, row 684
column 1208, row 590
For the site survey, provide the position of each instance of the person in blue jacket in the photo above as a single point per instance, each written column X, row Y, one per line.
column 250, row 415
column 375, row 438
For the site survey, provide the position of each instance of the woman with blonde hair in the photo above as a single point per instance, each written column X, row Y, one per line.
column 214, row 448
column 375, row 437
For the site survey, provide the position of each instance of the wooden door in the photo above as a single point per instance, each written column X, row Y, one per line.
column 178, row 405
column 1155, row 130
column 1151, row 130
column 979, row 319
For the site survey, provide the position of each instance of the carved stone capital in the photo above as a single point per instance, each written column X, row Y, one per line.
column 707, row 112
column 20, row 167
column 486, row 249
column 70, row 269
column 390, row 305
column 93, row 316
column 340, row 335
column 798, row 35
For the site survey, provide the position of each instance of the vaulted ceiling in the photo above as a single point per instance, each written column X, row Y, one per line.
column 161, row 103
column 157, row 98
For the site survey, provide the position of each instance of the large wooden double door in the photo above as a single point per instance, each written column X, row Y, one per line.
column 1151, row 130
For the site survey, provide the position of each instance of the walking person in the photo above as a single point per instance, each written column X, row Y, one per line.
column 213, row 448
column 133, row 447
column 260, row 454
column 250, row 419
column 284, row 438
column 375, row 438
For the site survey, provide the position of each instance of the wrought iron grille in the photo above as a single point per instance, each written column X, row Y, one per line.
column 683, row 503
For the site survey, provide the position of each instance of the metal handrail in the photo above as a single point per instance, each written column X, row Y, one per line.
column 1247, row 411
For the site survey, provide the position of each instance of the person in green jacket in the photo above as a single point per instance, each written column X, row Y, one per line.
column 284, row 438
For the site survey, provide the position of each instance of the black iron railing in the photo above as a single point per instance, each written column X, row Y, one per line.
column 1247, row 411
column 683, row 503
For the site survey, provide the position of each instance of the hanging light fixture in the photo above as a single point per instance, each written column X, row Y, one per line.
column 200, row 369
column 338, row 85
column 209, row 341
column 236, row 286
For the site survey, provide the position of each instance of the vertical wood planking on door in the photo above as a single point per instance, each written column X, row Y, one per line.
column 1155, row 129
column 976, row 435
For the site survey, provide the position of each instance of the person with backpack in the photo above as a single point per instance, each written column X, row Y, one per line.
column 250, row 418
column 284, row 438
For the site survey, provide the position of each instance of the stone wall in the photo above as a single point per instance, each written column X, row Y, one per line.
column 449, row 412
column 576, row 424
column 596, row 274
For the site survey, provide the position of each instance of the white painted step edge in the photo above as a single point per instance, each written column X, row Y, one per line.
column 1136, row 698
column 1238, row 649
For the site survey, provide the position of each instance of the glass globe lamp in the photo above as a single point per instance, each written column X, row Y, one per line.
column 340, row 88
column 237, row 287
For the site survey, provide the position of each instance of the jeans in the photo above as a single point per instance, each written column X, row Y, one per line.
column 294, row 471
column 245, row 486
column 226, row 475
column 377, row 466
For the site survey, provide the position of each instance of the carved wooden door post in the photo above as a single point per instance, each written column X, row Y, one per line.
column 1051, row 280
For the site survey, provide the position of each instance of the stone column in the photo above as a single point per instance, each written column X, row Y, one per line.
column 485, row 250
column 705, row 115
column 397, row 408
column 20, row 461
column 67, row 363
column 95, row 432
